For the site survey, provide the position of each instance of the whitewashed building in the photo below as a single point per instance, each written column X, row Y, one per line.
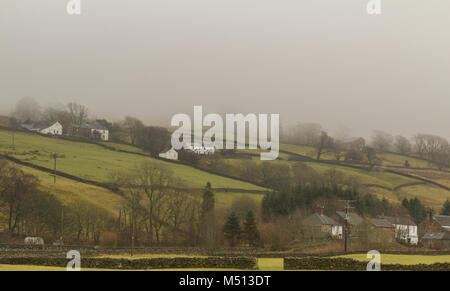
column 169, row 155
column 53, row 128
column 200, row 149
column 89, row 130
column 318, row 223
column 405, row 229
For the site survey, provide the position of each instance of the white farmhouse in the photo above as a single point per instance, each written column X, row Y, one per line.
column 89, row 130
column 169, row 155
column 318, row 224
column 200, row 149
column 53, row 128
column 404, row 229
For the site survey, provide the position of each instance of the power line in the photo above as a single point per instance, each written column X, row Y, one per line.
column 347, row 224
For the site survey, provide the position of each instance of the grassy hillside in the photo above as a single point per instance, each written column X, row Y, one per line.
column 93, row 162
column 431, row 195
column 68, row 191
column 387, row 159
column 365, row 177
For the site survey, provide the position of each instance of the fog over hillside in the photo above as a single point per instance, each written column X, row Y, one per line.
column 319, row 61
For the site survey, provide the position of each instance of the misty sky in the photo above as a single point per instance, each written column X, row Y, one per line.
column 313, row 60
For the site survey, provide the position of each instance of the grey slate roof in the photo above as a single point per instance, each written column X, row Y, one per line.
column 437, row 236
column 38, row 125
column 443, row 220
column 382, row 222
column 400, row 220
column 317, row 219
column 353, row 218
column 389, row 221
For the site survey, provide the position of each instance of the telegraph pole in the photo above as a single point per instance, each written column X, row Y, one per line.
column 347, row 224
column 55, row 156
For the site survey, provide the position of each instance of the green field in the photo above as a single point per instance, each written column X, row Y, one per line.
column 123, row 147
column 399, row 161
column 306, row 151
column 365, row 177
column 403, row 259
column 428, row 194
column 93, row 162
column 68, row 191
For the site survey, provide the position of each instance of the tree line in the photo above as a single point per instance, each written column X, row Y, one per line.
column 433, row 148
column 31, row 211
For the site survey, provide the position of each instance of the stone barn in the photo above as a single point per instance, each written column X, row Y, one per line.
column 436, row 240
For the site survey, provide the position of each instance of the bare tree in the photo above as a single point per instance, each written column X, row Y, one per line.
column 434, row 148
column 382, row 141
column 155, row 180
column 371, row 156
column 402, row 144
column 325, row 142
column 133, row 126
column 15, row 186
column 78, row 113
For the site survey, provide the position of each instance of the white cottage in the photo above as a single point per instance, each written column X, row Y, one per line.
column 318, row 223
column 89, row 130
column 200, row 149
column 404, row 228
column 169, row 155
column 53, row 128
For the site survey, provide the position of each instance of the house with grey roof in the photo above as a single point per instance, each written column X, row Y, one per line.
column 353, row 218
column 318, row 225
column 405, row 229
column 381, row 223
column 443, row 221
column 89, row 130
column 53, row 128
